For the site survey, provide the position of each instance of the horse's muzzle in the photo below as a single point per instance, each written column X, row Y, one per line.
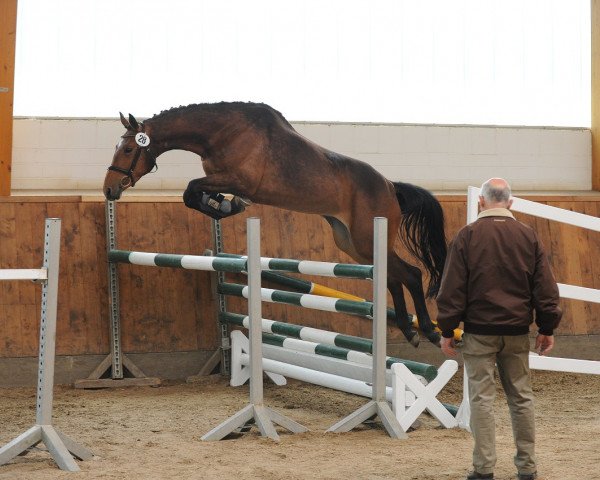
column 112, row 193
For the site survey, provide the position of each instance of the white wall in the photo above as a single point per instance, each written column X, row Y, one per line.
column 71, row 155
column 495, row 62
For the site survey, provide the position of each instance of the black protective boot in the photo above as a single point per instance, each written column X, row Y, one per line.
column 215, row 205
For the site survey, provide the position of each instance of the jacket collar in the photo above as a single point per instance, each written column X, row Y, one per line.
column 496, row 212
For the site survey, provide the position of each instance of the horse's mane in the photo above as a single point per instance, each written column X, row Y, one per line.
column 256, row 112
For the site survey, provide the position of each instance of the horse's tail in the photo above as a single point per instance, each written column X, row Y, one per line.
column 422, row 227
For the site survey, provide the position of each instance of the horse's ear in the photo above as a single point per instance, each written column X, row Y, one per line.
column 133, row 122
column 125, row 122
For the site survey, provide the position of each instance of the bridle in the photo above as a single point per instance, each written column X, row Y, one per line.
column 143, row 143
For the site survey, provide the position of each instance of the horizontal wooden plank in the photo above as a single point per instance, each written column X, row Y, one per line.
column 41, row 199
column 138, row 198
column 172, row 310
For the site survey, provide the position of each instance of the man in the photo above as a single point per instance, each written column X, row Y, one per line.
column 496, row 276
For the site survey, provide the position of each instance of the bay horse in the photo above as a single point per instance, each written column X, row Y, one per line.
column 251, row 151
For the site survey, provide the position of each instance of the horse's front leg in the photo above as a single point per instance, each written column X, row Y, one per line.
column 410, row 276
column 205, row 196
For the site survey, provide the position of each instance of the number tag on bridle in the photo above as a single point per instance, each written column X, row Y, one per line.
column 142, row 139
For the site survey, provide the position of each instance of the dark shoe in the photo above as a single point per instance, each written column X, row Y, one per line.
column 475, row 475
column 527, row 476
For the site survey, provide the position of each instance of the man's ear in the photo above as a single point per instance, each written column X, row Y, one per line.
column 510, row 202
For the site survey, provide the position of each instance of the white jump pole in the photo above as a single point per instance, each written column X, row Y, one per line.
column 378, row 405
column 59, row 445
column 333, row 373
column 262, row 415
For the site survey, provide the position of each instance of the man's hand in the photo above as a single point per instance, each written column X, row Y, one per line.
column 544, row 343
column 448, row 347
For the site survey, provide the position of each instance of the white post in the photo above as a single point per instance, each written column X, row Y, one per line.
column 378, row 405
column 472, row 204
column 379, row 307
column 464, row 411
column 59, row 445
column 48, row 322
column 263, row 416
column 255, row 311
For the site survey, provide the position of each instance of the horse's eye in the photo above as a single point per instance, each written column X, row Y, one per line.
column 128, row 149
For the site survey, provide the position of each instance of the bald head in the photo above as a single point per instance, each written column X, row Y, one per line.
column 495, row 193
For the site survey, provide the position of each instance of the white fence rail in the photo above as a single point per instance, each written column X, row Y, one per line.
column 24, row 274
column 551, row 213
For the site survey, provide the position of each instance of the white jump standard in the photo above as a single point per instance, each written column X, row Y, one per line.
column 298, row 358
column 378, row 405
column 59, row 445
column 263, row 416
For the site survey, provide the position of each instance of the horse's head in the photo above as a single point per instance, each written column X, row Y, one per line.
column 132, row 159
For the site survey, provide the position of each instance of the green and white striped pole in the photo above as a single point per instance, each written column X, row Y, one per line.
column 309, row 267
column 190, row 262
column 299, row 284
column 324, row 343
column 306, row 286
column 305, row 300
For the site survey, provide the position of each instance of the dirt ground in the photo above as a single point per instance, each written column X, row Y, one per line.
column 154, row 433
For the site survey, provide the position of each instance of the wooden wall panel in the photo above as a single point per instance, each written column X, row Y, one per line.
column 573, row 252
column 9, row 291
column 166, row 309
column 595, row 90
column 8, row 34
column 93, row 267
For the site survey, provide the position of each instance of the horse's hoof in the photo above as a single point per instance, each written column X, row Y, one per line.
column 239, row 204
column 435, row 338
column 225, row 207
column 413, row 337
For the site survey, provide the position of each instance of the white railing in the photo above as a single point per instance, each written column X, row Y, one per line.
column 557, row 215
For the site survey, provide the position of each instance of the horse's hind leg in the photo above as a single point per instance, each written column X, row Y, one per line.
column 402, row 321
column 410, row 276
column 399, row 273
column 343, row 240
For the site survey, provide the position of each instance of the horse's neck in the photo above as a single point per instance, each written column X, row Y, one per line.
column 197, row 133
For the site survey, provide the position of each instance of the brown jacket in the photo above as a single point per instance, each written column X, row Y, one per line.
column 496, row 275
